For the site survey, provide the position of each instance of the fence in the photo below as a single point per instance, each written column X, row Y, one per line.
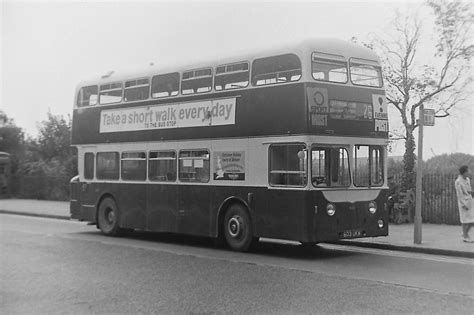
column 439, row 203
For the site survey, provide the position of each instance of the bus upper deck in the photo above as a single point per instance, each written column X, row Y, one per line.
column 319, row 87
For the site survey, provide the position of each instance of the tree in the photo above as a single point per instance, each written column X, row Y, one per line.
column 12, row 140
column 51, row 153
column 414, row 78
column 54, row 140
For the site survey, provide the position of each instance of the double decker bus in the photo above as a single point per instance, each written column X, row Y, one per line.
column 288, row 143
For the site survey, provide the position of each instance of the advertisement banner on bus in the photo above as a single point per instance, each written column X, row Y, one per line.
column 192, row 114
column 229, row 165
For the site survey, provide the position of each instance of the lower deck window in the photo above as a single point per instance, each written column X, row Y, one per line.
column 288, row 165
column 107, row 165
column 194, row 166
column 89, row 165
column 162, row 166
column 329, row 167
column 368, row 170
column 133, row 166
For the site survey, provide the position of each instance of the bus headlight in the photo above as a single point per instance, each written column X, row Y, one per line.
column 330, row 209
column 372, row 207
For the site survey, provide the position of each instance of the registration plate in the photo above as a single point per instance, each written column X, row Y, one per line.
column 351, row 233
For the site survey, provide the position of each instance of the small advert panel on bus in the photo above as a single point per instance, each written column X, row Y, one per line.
column 380, row 112
column 191, row 114
column 229, row 165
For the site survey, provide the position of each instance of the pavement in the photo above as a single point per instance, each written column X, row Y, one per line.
column 438, row 239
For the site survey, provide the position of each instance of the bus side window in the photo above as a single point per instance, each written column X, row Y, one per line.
column 162, row 166
column 87, row 96
column 110, row 93
column 196, row 81
column 276, row 69
column 287, row 166
column 233, row 76
column 165, row 85
column 194, row 166
column 136, row 90
column 89, row 165
column 133, row 166
column 107, row 165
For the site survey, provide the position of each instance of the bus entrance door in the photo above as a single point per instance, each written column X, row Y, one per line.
column 87, row 188
column 87, row 201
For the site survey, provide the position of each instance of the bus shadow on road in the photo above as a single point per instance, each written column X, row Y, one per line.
column 298, row 251
column 266, row 247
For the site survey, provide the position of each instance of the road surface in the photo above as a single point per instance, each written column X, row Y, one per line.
column 58, row 266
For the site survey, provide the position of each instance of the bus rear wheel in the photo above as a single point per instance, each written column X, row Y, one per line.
column 238, row 228
column 108, row 217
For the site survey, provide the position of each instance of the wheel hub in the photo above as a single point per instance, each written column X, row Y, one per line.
column 235, row 226
column 111, row 216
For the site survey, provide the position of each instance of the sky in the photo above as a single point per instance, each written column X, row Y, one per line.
column 48, row 47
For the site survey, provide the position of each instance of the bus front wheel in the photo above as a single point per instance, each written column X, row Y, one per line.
column 108, row 217
column 238, row 228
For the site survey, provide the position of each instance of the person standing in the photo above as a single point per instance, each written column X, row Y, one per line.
column 465, row 204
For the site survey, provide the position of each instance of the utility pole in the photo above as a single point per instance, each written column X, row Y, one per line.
column 419, row 176
column 426, row 118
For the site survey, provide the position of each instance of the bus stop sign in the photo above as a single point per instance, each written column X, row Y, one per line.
column 428, row 117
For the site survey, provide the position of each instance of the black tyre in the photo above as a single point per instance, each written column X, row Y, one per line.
column 109, row 217
column 238, row 228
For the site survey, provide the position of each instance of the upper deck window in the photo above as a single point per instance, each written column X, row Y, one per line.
column 196, row 81
column 87, row 96
column 110, row 93
column 234, row 76
column 165, row 85
column 327, row 67
column 365, row 72
column 276, row 69
column 136, row 90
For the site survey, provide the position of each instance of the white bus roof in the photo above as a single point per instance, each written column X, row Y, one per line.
column 338, row 47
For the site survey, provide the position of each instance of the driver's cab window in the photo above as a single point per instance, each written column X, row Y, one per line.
column 330, row 167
